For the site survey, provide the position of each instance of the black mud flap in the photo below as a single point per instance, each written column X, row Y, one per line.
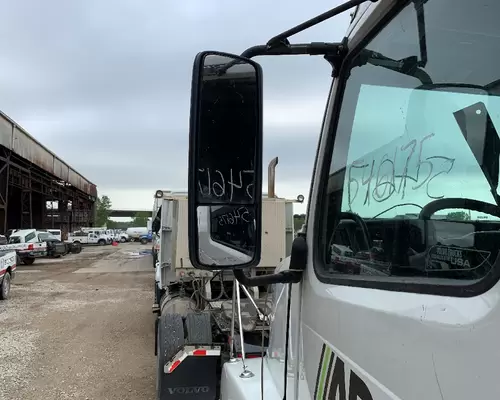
column 194, row 378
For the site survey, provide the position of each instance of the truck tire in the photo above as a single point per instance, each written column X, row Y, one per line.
column 144, row 241
column 5, row 287
column 199, row 328
column 28, row 261
column 101, row 242
column 170, row 339
column 123, row 240
column 77, row 248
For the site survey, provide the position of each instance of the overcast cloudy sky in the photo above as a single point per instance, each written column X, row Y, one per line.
column 105, row 84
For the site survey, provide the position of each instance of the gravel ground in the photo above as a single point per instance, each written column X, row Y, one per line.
column 80, row 327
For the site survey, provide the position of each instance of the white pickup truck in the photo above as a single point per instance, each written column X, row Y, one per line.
column 7, row 272
column 87, row 238
column 27, row 246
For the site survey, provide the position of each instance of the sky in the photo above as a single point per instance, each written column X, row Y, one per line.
column 106, row 85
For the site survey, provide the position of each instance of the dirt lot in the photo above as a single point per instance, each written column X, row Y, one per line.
column 80, row 327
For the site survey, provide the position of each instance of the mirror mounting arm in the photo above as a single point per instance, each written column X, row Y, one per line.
column 298, row 262
column 334, row 53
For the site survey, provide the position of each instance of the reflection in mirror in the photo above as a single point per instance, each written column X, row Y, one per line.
column 226, row 235
column 229, row 122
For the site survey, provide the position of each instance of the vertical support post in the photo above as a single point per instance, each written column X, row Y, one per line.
column 232, row 357
column 7, row 185
column 72, row 206
column 26, row 216
column 62, row 206
column 93, row 213
column 26, row 204
column 245, row 374
column 4, row 188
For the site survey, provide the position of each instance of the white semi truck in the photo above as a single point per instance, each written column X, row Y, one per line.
column 410, row 307
column 171, row 243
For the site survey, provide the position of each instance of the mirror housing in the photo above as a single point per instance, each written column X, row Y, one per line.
column 225, row 162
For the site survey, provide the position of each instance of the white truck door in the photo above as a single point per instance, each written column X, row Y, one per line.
column 92, row 238
column 414, row 312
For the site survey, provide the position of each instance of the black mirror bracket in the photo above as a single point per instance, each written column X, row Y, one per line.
column 334, row 53
column 298, row 262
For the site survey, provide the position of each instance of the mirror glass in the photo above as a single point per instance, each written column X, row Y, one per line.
column 226, row 235
column 228, row 130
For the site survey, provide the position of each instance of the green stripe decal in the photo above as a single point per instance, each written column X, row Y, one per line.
column 324, row 373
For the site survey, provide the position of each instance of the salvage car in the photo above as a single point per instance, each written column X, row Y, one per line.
column 56, row 247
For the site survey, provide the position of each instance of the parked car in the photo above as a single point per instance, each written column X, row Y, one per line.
column 56, row 247
column 7, row 272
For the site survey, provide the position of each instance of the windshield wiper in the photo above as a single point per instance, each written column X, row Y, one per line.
column 408, row 66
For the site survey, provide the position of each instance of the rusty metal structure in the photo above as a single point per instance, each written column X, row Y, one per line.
column 37, row 188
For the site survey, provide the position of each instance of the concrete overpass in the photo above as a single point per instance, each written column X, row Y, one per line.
column 127, row 213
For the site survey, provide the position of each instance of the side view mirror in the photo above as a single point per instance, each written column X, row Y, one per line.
column 225, row 162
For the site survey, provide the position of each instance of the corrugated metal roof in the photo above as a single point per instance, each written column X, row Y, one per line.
column 19, row 141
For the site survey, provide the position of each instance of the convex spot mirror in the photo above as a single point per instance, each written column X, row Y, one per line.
column 225, row 162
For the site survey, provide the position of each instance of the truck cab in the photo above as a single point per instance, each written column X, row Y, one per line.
column 27, row 245
column 405, row 187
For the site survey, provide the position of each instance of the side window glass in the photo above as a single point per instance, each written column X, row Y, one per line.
column 412, row 187
column 29, row 236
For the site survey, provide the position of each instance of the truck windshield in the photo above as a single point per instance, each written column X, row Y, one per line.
column 401, row 145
